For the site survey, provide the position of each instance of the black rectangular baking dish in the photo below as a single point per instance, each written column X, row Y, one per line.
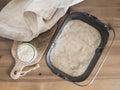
column 94, row 22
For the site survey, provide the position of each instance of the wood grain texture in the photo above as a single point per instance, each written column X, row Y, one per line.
column 108, row 79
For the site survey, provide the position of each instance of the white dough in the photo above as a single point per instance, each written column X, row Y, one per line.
column 75, row 48
column 26, row 52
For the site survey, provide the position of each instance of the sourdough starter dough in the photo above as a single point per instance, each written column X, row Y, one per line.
column 75, row 48
column 26, row 52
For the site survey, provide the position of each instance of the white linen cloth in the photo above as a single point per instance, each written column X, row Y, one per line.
column 23, row 20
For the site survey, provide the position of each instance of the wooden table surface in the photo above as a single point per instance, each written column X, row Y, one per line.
column 107, row 11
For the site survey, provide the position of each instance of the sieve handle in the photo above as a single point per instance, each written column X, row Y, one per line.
column 104, row 59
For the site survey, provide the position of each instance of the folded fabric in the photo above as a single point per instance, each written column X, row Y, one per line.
column 23, row 20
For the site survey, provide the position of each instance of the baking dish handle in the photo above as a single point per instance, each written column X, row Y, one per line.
column 109, row 27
